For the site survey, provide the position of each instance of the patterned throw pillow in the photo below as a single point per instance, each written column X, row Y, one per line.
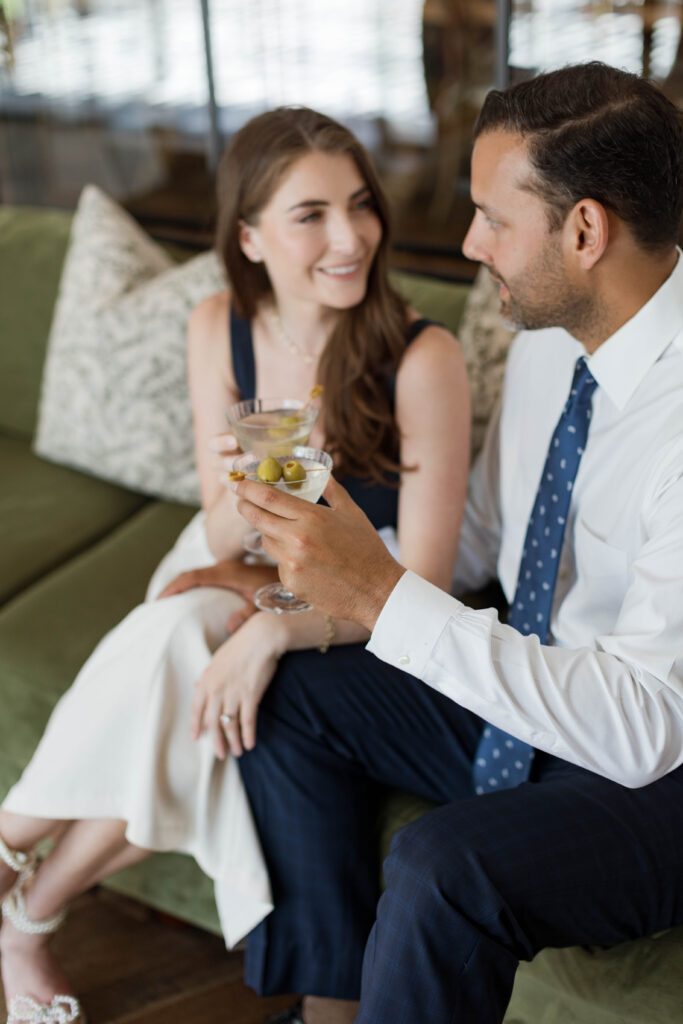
column 485, row 342
column 114, row 398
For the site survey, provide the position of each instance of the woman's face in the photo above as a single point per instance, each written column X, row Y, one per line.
column 318, row 234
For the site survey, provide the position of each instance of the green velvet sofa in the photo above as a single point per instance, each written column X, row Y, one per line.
column 75, row 556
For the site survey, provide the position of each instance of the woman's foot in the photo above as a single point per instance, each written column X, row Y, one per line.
column 29, row 968
column 36, row 989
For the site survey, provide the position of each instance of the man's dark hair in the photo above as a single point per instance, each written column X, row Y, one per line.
column 595, row 132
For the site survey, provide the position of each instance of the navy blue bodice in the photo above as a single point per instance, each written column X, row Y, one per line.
column 378, row 501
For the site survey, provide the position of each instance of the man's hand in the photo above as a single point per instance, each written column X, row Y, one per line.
column 331, row 557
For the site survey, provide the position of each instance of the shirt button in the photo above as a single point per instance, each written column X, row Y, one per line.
column 404, row 659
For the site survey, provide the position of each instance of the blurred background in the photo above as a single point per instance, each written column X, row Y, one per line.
column 140, row 96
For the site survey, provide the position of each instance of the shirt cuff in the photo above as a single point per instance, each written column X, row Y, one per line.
column 411, row 622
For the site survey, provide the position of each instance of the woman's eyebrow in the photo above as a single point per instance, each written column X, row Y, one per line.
column 324, row 202
column 308, row 202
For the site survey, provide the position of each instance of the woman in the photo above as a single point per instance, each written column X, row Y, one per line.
column 133, row 759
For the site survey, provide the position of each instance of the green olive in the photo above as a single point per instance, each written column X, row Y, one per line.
column 269, row 470
column 283, row 430
column 293, row 471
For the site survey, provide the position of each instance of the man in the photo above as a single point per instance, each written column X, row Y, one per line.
column 553, row 742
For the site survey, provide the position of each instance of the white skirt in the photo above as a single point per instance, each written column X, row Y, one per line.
column 118, row 743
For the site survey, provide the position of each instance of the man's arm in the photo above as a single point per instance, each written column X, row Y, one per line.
column 615, row 708
column 613, row 705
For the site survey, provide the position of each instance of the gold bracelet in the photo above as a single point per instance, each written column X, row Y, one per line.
column 329, row 635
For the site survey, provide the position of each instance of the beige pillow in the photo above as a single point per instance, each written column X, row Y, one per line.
column 114, row 398
column 485, row 342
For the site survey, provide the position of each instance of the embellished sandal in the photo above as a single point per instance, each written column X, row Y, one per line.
column 23, row 863
column 63, row 1009
column 14, row 909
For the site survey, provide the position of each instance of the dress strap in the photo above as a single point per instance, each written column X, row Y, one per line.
column 242, row 351
column 418, row 326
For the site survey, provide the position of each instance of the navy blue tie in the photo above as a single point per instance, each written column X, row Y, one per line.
column 501, row 760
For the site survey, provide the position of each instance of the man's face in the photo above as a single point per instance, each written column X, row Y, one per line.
column 511, row 236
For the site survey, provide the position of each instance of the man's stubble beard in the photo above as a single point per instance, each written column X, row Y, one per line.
column 546, row 298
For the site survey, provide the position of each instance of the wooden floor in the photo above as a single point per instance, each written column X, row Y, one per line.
column 128, row 964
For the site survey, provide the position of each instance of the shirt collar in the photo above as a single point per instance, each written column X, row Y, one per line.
column 621, row 362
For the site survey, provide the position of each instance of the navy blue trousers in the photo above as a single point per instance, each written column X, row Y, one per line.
column 472, row 887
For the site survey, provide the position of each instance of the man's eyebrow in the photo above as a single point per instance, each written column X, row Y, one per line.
column 488, row 211
column 305, row 203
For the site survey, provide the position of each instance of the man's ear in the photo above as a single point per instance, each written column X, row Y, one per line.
column 248, row 239
column 587, row 232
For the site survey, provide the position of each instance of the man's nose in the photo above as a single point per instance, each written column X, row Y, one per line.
column 472, row 246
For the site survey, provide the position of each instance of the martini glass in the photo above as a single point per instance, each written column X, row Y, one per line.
column 270, row 426
column 275, row 597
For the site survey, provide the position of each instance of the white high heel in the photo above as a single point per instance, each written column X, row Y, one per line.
column 63, row 1009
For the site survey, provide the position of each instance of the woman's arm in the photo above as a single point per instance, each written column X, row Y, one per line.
column 212, row 391
column 241, row 669
column 433, row 416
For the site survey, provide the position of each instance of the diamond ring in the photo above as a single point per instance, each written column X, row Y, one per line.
column 226, row 719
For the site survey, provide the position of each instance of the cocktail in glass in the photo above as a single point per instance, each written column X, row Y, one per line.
column 275, row 597
column 270, row 426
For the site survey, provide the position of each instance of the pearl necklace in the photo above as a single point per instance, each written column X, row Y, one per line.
column 289, row 342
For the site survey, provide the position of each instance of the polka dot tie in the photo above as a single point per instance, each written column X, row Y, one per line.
column 501, row 760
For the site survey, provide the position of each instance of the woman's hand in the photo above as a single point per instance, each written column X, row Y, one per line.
column 231, row 574
column 225, row 448
column 234, row 682
column 225, row 444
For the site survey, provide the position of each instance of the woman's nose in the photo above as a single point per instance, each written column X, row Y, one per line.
column 343, row 234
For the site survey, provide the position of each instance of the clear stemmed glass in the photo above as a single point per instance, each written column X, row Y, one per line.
column 275, row 597
column 270, row 426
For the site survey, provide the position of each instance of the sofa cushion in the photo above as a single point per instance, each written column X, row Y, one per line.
column 442, row 301
column 49, row 513
column 32, row 248
column 115, row 400
column 633, row 983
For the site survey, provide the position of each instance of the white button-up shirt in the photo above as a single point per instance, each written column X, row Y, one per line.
column 607, row 694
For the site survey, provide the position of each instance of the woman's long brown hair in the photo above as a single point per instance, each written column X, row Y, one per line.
column 362, row 354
